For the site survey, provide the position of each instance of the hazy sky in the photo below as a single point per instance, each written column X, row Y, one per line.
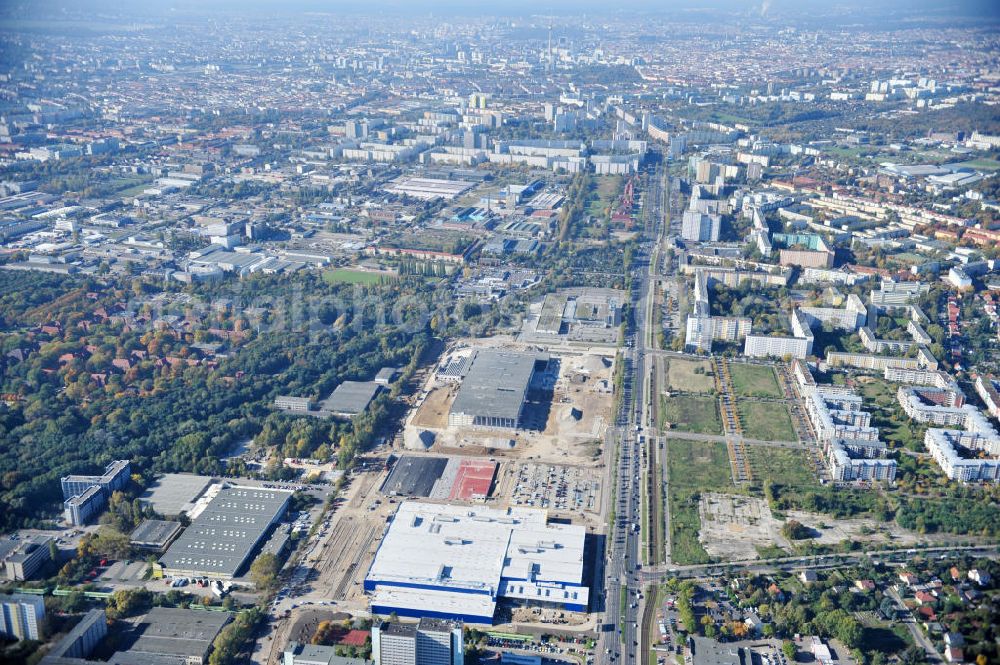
column 873, row 14
column 39, row 8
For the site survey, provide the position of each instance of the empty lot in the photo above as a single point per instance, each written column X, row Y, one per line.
column 754, row 380
column 768, row 421
column 689, row 413
column 693, row 376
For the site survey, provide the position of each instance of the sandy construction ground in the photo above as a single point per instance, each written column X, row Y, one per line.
column 733, row 526
column 575, row 418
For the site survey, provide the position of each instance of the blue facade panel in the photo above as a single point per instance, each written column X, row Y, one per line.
column 413, row 613
column 370, row 585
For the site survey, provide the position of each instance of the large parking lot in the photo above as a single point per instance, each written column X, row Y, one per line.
column 557, row 487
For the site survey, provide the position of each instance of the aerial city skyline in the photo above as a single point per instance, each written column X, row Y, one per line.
column 455, row 333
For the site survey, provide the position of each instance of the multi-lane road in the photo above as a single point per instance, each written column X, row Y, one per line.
column 620, row 638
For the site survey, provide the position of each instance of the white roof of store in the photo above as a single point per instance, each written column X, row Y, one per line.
column 474, row 547
column 422, row 600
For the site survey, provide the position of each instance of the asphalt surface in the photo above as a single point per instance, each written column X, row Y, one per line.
column 620, row 640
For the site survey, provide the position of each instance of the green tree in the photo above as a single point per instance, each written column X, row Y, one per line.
column 231, row 639
column 795, row 530
column 264, row 570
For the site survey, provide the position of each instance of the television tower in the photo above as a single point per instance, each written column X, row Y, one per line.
column 549, row 54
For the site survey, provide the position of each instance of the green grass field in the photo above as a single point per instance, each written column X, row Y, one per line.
column 754, row 380
column 785, row 466
column 689, row 413
column 682, row 375
column 982, row 164
column 770, row 551
column 348, row 276
column 693, row 467
column 768, row 421
column 604, row 193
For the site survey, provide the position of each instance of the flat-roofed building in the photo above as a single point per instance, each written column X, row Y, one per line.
column 317, row 654
column 21, row 615
column 155, row 535
column 82, row 508
column 851, row 461
column 386, row 376
column 175, row 493
column 851, row 317
column 222, row 540
column 588, row 315
column 986, row 388
column 701, row 331
column 115, row 477
column 965, row 456
column 429, row 642
column 429, row 188
column 921, row 377
column 707, row 651
column 799, row 345
column 870, row 361
column 471, row 558
column 494, row 389
column 394, row 643
column 24, row 560
column 962, row 440
column 439, row 642
column 350, row 398
column 699, row 227
column 173, row 634
column 891, row 292
column 80, row 642
column 290, row 403
column 851, row 446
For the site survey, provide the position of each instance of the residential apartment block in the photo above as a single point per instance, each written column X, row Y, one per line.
column 21, row 616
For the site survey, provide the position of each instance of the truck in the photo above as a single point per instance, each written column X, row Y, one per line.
column 217, row 589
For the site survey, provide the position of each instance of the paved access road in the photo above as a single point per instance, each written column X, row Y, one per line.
column 620, row 639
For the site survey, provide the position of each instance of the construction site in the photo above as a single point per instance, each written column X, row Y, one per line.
column 527, row 434
column 565, row 411
column 736, row 527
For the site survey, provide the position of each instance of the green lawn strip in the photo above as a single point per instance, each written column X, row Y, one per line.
column 767, row 421
column 694, row 467
column 754, row 380
column 689, row 413
column 347, row 276
column 690, row 375
column 789, row 467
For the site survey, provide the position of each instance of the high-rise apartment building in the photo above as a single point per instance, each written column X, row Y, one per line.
column 115, row 477
column 439, row 642
column 85, row 496
column 429, row 642
column 21, row 616
column 699, row 227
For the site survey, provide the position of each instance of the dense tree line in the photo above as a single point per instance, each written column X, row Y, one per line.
column 975, row 514
column 234, row 637
column 180, row 417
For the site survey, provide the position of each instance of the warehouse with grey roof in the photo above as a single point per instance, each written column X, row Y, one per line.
column 351, row 398
column 154, row 535
column 222, row 540
column 170, row 634
column 494, row 390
